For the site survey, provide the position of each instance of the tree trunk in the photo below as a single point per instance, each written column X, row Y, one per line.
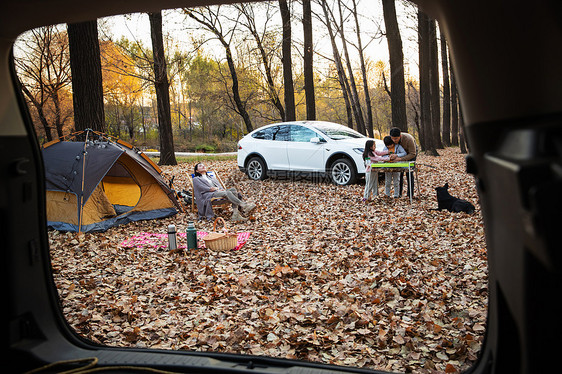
column 426, row 138
column 162, row 86
column 355, row 103
column 415, row 104
column 435, row 92
column 290, row 112
column 270, row 83
column 44, row 68
column 132, row 124
column 369, row 119
column 240, row 105
column 339, row 68
column 446, row 128
column 272, row 92
column 40, row 113
column 454, row 110
column 85, row 65
column 56, row 104
column 462, row 139
column 308, row 61
column 397, row 86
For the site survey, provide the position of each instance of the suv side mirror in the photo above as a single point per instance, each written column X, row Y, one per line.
column 317, row 140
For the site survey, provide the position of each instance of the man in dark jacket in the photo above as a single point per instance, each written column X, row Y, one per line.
column 408, row 142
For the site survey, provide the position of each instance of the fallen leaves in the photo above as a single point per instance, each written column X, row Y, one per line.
column 385, row 285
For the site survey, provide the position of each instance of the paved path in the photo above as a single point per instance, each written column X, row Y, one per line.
column 187, row 154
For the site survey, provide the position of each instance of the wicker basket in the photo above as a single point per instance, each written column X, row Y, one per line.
column 220, row 241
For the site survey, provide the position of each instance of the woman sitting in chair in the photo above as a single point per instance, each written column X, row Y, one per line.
column 206, row 186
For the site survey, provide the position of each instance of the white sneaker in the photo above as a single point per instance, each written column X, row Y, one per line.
column 236, row 217
column 248, row 207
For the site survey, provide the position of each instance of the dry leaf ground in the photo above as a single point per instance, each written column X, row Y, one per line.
column 323, row 277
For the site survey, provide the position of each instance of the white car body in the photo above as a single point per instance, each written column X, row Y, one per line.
column 304, row 146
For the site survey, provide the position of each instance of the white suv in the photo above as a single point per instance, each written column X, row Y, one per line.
column 304, row 146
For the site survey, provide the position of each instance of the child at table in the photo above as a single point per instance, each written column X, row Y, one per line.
column 394, row 177
column 371, row 155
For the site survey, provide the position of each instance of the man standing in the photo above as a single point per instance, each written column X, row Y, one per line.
column 408, row 142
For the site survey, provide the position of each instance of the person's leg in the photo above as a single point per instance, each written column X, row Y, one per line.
column 408, row 184
column 367, row 192
column 232, row 196
column 410, row 177
column 387, row 183
column 401, row 183
column 375, row 183
column 396, row 181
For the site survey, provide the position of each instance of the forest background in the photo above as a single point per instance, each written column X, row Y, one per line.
column 199, row 79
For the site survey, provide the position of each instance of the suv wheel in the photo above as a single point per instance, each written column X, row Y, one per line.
column 343, row 172
column 256, row 169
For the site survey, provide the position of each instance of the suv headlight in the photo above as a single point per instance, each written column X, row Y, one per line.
column 359, row 150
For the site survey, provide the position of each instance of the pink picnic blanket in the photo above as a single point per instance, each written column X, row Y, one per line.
column 152, row 240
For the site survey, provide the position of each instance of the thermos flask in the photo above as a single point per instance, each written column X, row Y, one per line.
column 172, row 238
column 191, row 236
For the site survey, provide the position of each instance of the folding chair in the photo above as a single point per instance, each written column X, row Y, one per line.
column 220, row 202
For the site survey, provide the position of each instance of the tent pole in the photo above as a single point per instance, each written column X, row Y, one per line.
column 82, row 189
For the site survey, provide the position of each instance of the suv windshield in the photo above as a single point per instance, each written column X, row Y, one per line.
column 338, row 132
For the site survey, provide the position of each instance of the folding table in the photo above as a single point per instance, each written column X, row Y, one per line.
column 401, row 166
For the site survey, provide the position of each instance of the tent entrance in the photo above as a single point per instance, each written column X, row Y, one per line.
column 121, row 189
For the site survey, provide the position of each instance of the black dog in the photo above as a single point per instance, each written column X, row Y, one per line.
column 451, row 203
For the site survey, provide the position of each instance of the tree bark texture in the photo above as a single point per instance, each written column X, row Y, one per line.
column 290, row 111
column 342, row 78
column 240, row 105
column 462, row 139
column 161, row 85
column 446, row 127
column 355, row 103
column 435, row 92
column 368, row 108
column 397, row 85
column 426, row 130
column 308, row 61
column 85, row 65
column 454, row 110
